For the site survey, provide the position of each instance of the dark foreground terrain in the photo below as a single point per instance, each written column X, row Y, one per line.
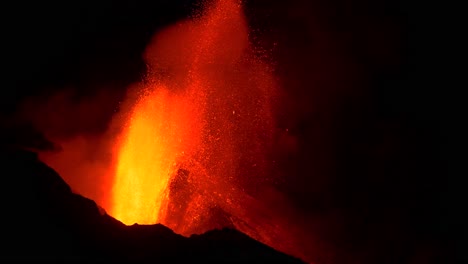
column 43, row 220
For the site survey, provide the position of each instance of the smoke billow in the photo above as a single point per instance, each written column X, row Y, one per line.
column 80, row 129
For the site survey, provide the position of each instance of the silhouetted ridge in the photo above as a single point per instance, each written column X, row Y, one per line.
column 43, row 219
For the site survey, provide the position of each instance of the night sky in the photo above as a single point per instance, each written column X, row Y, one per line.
column 372, row 132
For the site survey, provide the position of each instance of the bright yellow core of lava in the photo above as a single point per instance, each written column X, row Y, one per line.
column 159, row 133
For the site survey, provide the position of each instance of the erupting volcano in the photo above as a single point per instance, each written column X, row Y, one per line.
column 186, row 130
column 193, row 144
column 200, row 127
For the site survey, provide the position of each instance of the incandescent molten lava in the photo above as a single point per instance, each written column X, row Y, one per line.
column 201, row 127
column 162, row 131
column 193, row 145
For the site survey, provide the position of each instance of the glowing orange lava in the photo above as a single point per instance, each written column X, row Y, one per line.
column 203, row 116
column 191, row 151
column 161, row 132
column 194, row 153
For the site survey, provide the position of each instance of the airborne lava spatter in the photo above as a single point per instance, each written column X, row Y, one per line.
column 192, row 150
column 205, row 112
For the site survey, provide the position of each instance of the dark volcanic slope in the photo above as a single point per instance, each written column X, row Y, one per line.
column 43, row 219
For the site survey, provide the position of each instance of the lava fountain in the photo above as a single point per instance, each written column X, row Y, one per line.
column 200, row 130
column 193, row 144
